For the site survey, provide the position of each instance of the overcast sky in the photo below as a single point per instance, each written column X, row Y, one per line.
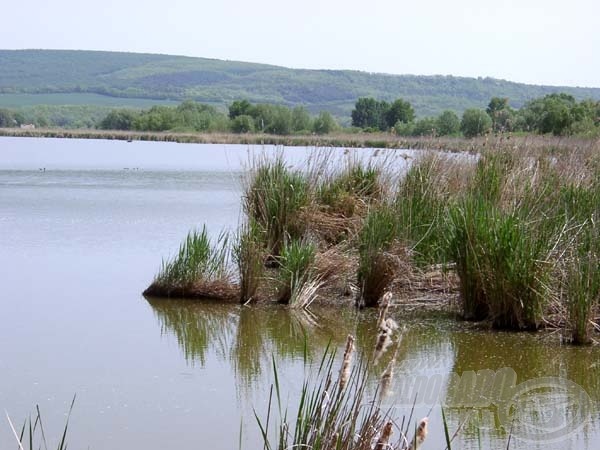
column 534, row 41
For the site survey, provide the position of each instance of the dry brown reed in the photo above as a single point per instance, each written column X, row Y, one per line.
column 386, row 434
column 346, row 362
column 420, row 434
column 357, row 140
column 386, row 327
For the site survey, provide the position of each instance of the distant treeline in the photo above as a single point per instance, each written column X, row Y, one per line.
column 558, row 114
column 243, row 117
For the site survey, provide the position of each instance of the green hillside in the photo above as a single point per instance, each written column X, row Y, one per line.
column 131, row 79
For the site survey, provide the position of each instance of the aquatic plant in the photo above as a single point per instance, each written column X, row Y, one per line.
column 502, row 264
column 582, row 280
column 296, row 270
column 376, row 268
column 248, row 254
column 357, row 184
column 337, row 412
column 32, row 434
column 420, row 204
column 199, row 269
column 274, row 197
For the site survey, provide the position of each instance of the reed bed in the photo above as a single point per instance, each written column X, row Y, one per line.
column 512, row 230
column 338, row 139
column 200, row 269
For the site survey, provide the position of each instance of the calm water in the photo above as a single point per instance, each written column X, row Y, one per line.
column 80, row 241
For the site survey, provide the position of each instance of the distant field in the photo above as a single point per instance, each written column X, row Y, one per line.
column 21, row 100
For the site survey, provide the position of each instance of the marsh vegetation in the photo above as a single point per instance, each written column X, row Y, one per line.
column 509, row 234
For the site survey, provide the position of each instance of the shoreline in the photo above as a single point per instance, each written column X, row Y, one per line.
column 350, row 140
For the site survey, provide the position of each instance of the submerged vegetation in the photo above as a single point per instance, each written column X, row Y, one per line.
column 515, row 226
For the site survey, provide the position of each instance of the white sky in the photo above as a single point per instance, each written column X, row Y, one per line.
column 534, row 41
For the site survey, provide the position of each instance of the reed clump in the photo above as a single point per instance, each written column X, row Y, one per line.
column 582, row 272
column 339, row 412
column 376, row 266
column 357, row 185
column 295, row 271
column 511, row 224
column 274, row 198
column 502, row 265
column 249, row 257
column 420, row 203
column 200, row 269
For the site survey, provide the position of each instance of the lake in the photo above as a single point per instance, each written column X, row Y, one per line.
column 84, row 226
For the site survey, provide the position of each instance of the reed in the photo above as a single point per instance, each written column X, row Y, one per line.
column 502, row 264
column 337, row 412
column 248, row 255
column 296, row 270
column 274, row 198
column 358, row 184
column 33, row 436
column 582, row 281
column 376, row 267
column 200, row 269
column 420, row 203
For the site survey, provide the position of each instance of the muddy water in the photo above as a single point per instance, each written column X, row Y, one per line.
column 81, row 240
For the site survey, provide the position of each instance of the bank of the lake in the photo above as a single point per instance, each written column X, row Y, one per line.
column 348, row 140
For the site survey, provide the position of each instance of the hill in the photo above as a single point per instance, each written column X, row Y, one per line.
column 29, row 77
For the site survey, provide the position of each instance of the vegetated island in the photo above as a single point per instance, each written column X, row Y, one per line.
column 511, row 235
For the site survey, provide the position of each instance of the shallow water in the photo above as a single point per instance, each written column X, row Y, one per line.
column 82, row 239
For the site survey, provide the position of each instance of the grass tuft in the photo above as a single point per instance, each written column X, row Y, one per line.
column 296, row 270
column 200, row 269
column 376, row 267
column 274, row 198
column 248, row 255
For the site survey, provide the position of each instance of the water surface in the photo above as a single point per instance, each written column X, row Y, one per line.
column 82, row 239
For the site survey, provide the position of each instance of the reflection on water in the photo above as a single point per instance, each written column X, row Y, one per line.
column 434, row 352
column 247, row 337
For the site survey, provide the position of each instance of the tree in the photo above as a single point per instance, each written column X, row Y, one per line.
column 281, row 122
column 501, row 114
column 552, row 113
column 242, row 124
column 239, row 108
column 7, row 118
column 475, row 122
column 399, row 111
column 370, row 113
column 324, row 123
column 157, row 118
column 427, row 126
column 496, row 104
column 119, row 119
column 448, row 123
column 300, row 119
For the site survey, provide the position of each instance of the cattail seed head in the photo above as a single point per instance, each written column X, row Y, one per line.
column 420, row 434
column 384, row 439
column 347, row 362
